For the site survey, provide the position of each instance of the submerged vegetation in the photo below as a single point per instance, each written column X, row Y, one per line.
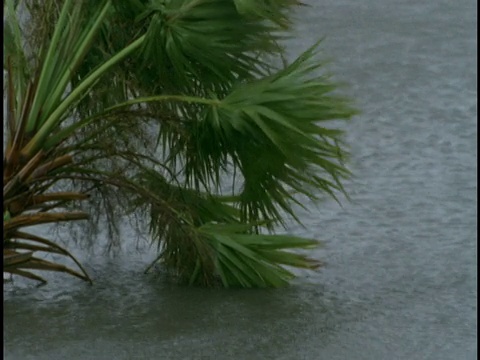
column 150, row 110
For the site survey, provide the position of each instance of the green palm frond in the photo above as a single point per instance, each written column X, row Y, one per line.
column 271, row 130
column 201, row 47
column 254, row 260
column 14, row 56
column 203, row 240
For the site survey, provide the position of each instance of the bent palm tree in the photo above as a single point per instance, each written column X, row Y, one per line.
column 147, row 109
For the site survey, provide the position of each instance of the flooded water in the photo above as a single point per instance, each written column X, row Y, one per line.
column 400, row 280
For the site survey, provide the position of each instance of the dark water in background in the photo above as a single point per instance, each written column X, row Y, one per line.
column 401, row 277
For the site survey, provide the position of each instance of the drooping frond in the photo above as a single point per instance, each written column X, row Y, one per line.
column 203, row 239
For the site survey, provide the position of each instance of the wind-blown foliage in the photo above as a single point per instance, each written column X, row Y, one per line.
column 147, row 108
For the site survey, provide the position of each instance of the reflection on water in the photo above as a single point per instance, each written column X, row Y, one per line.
column 400, row 281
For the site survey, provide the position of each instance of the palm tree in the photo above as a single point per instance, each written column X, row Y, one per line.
column 150, row 110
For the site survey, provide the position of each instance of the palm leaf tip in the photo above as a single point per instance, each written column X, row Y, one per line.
column 255, row 260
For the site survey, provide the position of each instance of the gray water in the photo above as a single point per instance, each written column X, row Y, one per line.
column 400, row 280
